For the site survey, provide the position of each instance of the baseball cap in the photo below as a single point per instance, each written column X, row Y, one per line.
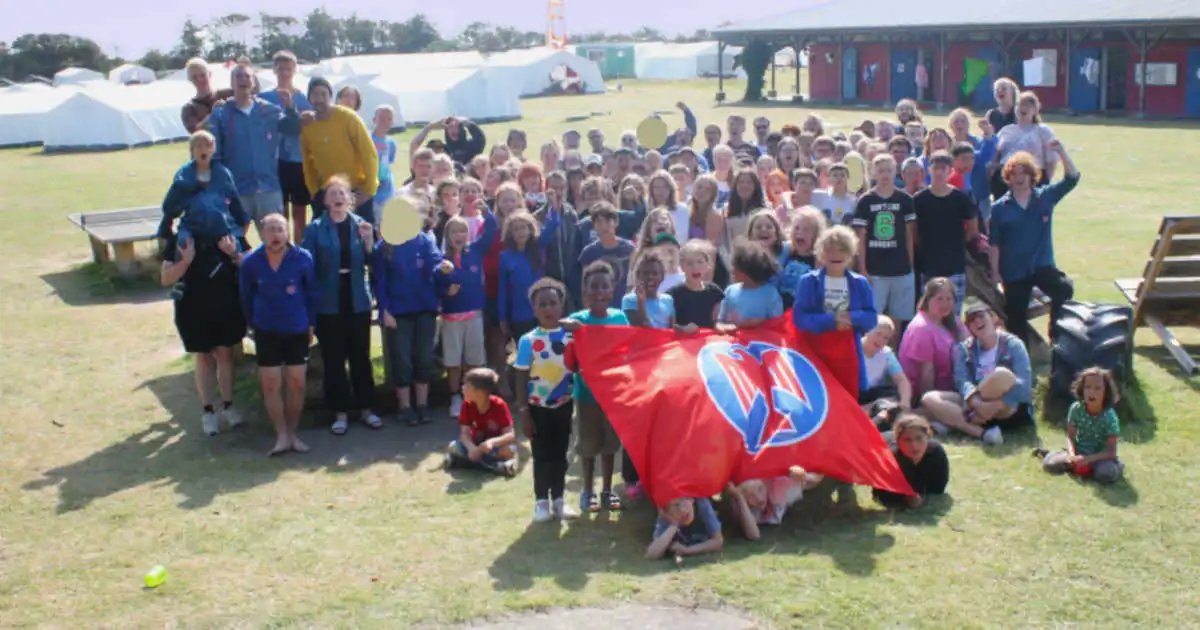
column 592, row 159
column 975, row 306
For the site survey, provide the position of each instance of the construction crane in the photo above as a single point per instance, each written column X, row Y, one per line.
column 556, row 25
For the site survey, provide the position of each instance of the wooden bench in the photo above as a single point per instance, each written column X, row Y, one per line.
column 120, row 229
column 1168, row 293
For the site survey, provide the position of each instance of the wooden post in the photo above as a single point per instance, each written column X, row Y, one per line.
column 720, row 71
column 126, row 259
column 796, row 49
column 941, row 91
column 1067, row 45
column 99, row 250
column 772, row 93
column 1142, row 50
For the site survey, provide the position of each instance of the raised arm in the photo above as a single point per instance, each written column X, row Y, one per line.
column 419, row 139
column 477, row 140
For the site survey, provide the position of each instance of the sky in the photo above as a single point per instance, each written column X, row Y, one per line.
column 131, row 27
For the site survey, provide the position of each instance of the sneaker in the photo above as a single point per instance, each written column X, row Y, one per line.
column 509, row 468
column 634, row 492
column 231, row 417
column 939, row 428
column 541, row 511
column 562, row 511
column 211, row 424
column 456, row 404
column 992, row 437
column 409, row 417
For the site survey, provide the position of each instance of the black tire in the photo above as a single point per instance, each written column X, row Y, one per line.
column 1088, row 335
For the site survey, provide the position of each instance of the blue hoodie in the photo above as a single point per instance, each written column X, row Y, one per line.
column 808, row 311
column 517, row 274
column 408, row 281
column 468, row 272
column 248, row 143
column 289, row 145
column 281, row 301
column 210, row 211
column 321, row 240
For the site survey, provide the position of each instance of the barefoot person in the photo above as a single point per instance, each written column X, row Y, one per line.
column 209, row 318
column 279, row 295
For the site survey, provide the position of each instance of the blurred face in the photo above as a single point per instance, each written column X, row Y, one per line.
column 557, row 187
column 1021, row 179
column 624, row 162
column 422, row 168
column 596, row 139
column 202, row 152
column 650, row 276
column 899, row 153
column 337, row 199
column 836, row 260
column 763, row 231
column 516, row 142
column 605, row 226
column 471, row 195
column 868, row 128
column 348, row 98
column 450, row 201
column 941, row 304
column 745, row 187
column 805, row 185
column 530, row 182
column 660, row 190
column 594, row 170
column 473, row 395
column 885, row 131
column 964, row 163
column 653, row 160
column 599, row 289
column 804, row 236
column 200, row 77
column 838, row 178
column 914, row 177
column 788, row 154
column 285, row 71
column 682, row 181
column 1093, row 391
column 682, row 512
column 940, row 141
column 712, row 135
column 1003, row 94
column 547, row 307
column 684, row 137
column 550, row 156
column 811, row 125
column 453, row 128
column 669, row 252
column 939, row 173
column 1026, row 110
column 457, row 234
column 884, row 172
column 320, row 98
column 243, row 81
column 571, row 141
column 982, row 326
column 724, row 161
column 877, row 339
column 441, row 171
column 913, row 444
column 275, row 235
column 762, row 127
column 914, row 134
column 704, row 192
column 499, row 155
column 661, row 225
column 481, row 166
column 822, row 150
column 521, row 233
column 905, row 112
column 737, row 126
column 385, row 119
column 491, row 183
column 507, row 201
column 695, row 266
column 960, row 125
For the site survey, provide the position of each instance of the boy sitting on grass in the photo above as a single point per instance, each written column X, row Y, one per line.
column 486, row 437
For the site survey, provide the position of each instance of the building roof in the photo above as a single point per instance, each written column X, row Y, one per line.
column 817, row 16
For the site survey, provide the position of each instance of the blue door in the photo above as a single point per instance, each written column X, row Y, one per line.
column 850, row 74
column 1085, row 80
column 1193, row 82
column 982, row 97
column 904, row 74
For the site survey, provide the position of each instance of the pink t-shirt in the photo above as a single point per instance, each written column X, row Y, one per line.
column 925, row 341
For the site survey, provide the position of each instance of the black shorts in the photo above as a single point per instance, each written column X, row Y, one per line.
column 278, row 349
column 291, row 181
column 209, row 313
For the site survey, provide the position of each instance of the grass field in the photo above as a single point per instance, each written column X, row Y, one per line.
column 105, row 472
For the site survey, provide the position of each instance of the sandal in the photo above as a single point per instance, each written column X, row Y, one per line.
column 409, row 416
column 339, row 426
column 588, row 502
column 373, row 421
column 610, row 501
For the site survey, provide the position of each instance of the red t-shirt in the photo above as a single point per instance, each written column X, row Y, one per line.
column 488, row 424
column 491, row 269
column 956, row 180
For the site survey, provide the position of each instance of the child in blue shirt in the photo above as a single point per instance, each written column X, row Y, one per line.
column 278, row 287
column 544, row 399
column 752, row 300
column 521, row 264
column 596, row 436
column 609, row 247
column 463, row 302
column 408, row 278
column 385, row 147
column 686, row 527
column 645, row 306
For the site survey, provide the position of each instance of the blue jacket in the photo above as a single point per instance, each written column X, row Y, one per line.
column 248, row 144
column 985, row 150
column 1025, row 236
column 289, row 145
column 808, row 311
column 672, row 143
column 516, row 276
column 321, row 240
column 209, row 211
column 409, row 281
column 282, row 301
column 1010, row 353
column 468, row 272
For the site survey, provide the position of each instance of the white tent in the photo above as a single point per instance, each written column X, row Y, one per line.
column 116, row 117
column 70, row 75
column 22, row 110
column 435, row 94
column 373, row 96
column 545, row 71
column 661, row 60
column 125, row 74
column 375, row 65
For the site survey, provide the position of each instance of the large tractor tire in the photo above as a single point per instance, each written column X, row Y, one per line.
column 1088, row 335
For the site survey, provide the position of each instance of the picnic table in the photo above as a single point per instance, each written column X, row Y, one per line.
column 120, row 229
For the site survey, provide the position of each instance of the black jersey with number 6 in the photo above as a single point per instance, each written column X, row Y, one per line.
column 886, row 221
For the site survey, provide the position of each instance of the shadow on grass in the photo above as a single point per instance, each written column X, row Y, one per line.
column 90, row 284
column 174, row 452
column 1121, row 494
column 1159, row 356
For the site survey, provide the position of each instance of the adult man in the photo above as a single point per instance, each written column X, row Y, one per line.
column 291, row 162
column 464, row 140
column 338, row 143
column 712, row 137
column 279, row 295
column 736, row 127
column 762, row 127
column 682, row 136
column 571, row 140
column 596, row 139
column 248, row 132
column 195, row 112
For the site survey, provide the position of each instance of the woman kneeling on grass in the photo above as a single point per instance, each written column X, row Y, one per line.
column 992, row 376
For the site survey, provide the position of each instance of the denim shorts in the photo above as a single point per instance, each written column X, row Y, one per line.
column 895, row 296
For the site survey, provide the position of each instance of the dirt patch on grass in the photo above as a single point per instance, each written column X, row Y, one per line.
column 627, row 616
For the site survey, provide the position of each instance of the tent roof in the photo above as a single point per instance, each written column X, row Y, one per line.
column 817, row 16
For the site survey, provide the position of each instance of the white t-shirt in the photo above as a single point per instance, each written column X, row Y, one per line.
column 839, row 210
column 881, row 366
column 680, row 216
column 987, row 362
column 412, row 189
column 1034, row 139
column 782, row 492
column 837, row 293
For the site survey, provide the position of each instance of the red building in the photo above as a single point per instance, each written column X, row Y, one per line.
column 1077, row 55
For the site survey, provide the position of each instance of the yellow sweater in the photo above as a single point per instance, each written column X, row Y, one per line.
column 339, row 145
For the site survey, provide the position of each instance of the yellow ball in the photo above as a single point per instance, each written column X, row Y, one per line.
column 156, row 576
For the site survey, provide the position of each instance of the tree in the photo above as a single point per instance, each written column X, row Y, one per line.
column 191, row 43
column 358, row 36
column 44, row 54
column 231, row 36
column 322, row 35
column 276, row 33
column 647, row 34
column 754, row 59
column 413, row 35
column 157, row 60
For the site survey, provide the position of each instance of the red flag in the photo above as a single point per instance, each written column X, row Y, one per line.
column 697, row 411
